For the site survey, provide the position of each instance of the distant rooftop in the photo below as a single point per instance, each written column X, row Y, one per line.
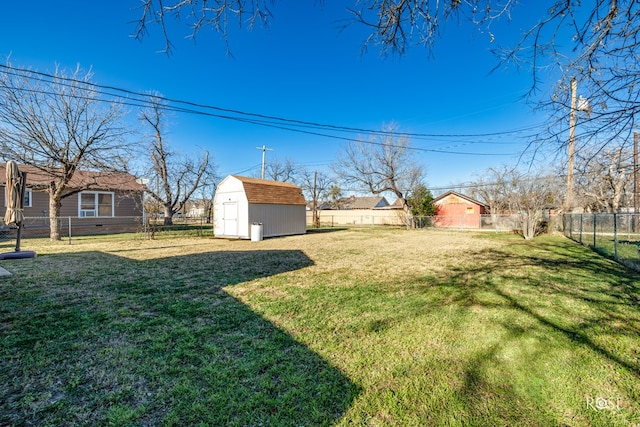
column 354, row 202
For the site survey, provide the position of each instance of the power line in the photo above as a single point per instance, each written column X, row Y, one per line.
column 138, row 99
column 259, row 117
column 142, row 104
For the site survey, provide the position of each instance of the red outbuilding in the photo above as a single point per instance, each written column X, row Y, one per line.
column 457, row 210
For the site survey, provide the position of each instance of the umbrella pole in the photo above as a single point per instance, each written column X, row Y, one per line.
column 23, row 182
column 18, row 238
column 16, row 182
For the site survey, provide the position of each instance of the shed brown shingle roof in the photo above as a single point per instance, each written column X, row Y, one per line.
column 89, row 179
column 271, row 192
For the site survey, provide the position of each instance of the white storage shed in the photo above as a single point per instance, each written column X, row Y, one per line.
column 240, row 202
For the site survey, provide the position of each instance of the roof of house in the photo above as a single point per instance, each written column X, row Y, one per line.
column 397, row 204
column 459, row 195
column 354, row 202
column 271, row 192
column 321, row 206
column 89, row 179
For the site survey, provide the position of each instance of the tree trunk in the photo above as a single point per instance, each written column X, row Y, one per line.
column 316, row 218
column 530, row 221
column 168, row 215
column 54, row 218
column 407, row 213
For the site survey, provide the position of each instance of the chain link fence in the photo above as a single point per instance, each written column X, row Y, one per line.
column 73, row 227
column 616, row 235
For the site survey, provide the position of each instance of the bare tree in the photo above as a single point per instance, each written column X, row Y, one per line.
column 316, row 187
column 528, row 195
column 199, row 14
column 490, row 187
column 394, row 25
column 531, row 195
column 279, row 170
column 397, row 25
column 601, row 56
column 207, row 194
column 173, row 177
column 59, row 125
column 603, row 178
column 382, row 164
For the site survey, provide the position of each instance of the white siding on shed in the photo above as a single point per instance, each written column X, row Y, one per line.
column 230, row 210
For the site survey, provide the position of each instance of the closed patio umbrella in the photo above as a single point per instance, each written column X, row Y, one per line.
column 14, row 191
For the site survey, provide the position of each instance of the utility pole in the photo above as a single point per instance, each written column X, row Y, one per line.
column 264, row 151
column 316, row 221
column 635, row 181
column 572, row 132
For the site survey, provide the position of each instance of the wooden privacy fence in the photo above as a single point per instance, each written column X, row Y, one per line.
column 358, row 217
column 397, row 218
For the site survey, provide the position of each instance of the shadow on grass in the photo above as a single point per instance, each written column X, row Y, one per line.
column 100, row 339
column 617, row 295
column 530, row 330
column 325, row 230
column 563, row 299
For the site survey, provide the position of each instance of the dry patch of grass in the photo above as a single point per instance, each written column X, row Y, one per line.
column 364, row 327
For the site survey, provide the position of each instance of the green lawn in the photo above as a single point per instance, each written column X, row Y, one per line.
column 352, row 327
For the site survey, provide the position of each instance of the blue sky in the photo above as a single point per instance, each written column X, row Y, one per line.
column 303, row 67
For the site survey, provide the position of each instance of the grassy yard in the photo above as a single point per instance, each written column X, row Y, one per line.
column 352, row 327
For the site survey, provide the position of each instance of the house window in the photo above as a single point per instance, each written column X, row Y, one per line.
column 92, row 204
column 27, row 198
column 470, row 209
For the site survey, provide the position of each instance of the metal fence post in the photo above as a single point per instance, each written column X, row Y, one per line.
column 69, row 230
column 615, row 236
column 581, row 228
column 571, row 216
column 594, row 230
